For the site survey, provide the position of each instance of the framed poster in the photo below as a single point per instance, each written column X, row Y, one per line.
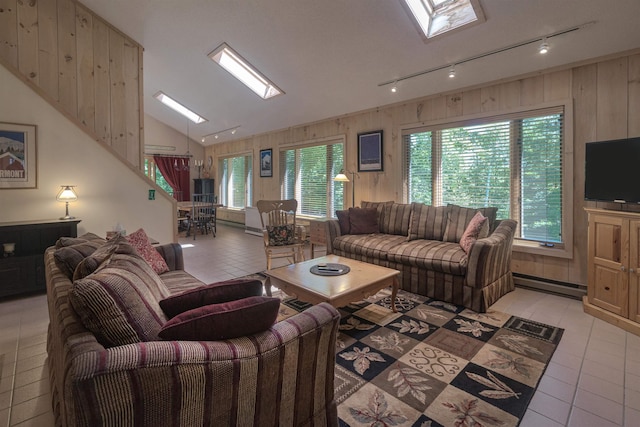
column 370, row 151
column 18, row 167
column 266, row 164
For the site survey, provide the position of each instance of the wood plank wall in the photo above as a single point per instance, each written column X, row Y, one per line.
column 606, row 99
column 82, row 65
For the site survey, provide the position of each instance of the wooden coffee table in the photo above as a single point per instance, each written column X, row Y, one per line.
column 362, row 281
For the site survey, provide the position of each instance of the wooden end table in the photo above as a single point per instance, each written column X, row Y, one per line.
column 362, row 281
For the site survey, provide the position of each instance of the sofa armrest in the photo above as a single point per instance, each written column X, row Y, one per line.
column 280, row 376
column 172, row 254
column 332, row 229
column 490, row 258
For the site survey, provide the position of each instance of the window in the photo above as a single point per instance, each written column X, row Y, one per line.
column 154, row 174
column 236, row 175
column 307, row 175
column 514, row 162
column 436, row 17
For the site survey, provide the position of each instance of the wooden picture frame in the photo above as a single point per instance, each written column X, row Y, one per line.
column 370, row 151
column 266, row 163
column 18, row 168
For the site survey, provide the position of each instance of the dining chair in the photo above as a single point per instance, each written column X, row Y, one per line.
column 283, row 237
column 203, row 215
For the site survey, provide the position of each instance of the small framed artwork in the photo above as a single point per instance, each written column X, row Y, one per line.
column 370, row 151
column 266, row 162
column 18, row 167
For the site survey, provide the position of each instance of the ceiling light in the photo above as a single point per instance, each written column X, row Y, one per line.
column 452, row 71
column 394, row 88
column 228, row 59
column 176, row 106
column 216, row 134
column 544, row 47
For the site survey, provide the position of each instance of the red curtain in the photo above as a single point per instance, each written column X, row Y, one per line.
column 175, row 171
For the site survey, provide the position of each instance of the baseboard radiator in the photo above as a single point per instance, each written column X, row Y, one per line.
column 252, row 224
column 551, row 286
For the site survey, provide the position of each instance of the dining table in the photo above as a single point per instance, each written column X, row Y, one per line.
column 185, row 213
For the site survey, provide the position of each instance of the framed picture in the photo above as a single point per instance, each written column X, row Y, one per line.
column 18, row 167
column 370, row 151
column 266, row 162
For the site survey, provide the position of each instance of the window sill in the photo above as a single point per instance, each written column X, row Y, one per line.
column 534, row 248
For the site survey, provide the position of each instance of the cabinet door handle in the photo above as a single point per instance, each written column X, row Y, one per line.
column 631, row 270
column 622, row 268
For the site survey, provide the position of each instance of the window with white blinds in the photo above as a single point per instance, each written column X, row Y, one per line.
column 512, row 161
column 306, row 175
column 236, row 175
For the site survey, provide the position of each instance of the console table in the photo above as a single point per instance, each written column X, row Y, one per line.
column 23, row 271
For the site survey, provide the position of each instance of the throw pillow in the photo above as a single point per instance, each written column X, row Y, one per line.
column 67, row 258
column 140, row 241
column 458, row 218
column 69, row 241
column 214, row 293
column 117, row 245
column 119, row 302
column 472, row 232
column 343, row 221
column 281, row 235
column 363, row 220
column 223, row 321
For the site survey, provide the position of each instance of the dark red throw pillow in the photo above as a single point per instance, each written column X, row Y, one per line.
column 363, row 220
column 343, row 221
column 214, row 293
column 216, row 322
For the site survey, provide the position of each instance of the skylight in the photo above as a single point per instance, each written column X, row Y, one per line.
column 228, row 59
column 436, row 17
column 176, row 106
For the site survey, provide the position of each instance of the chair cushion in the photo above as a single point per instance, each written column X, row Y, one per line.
column 427, row 222
column 140, row 241
column 472, row 232
column 68, row 257
column 363, row 220
column 119, row 303
column 343, row 221
column 117, row 245
column 223, row 321
column 214, row 293
column 281, row 235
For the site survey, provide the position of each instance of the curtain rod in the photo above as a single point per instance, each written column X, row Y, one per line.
column 180, row 156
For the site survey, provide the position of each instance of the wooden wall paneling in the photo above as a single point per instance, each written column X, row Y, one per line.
column 634, row 96
column 117, row 93
column 454, row 105
column 528, row 264
column 48, row 47
column 509, row 95
column 557, row 269
column 557, row 85
column 102, row 83
column 28, row 39
column 434, row 108
column 489, row 98
column 612, row 94
column 9, row 32
column 471, row 102
column 67, row 81
column 532, row 90
column 86, row 80
column 132, row 102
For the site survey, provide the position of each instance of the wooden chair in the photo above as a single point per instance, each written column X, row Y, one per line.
column 203, row 215
column 283, row 238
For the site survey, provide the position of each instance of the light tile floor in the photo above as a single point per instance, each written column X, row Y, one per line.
column 593, row 379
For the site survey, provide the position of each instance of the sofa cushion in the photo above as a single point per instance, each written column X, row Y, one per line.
column 363, row 220
column 470, row 235
column 458, row 219
column 368, row 246
column 68, row 257
column 381, row 207
column 140, row 241
column 68, row 241
column 117, row 245
column 178, row 281
column 214, row 293
column 119, row 303
column 427, row 222
column 223, row 321
column 431, row 255
column 343, row 221
column 281, row 235
column 397, row 219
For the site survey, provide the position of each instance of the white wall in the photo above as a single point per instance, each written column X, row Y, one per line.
column 109, row 191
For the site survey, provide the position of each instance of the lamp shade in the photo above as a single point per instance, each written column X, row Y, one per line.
column 341, row 177
column 67, row 194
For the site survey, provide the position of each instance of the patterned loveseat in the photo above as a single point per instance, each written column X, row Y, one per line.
column 283, row 375
column 423, row 243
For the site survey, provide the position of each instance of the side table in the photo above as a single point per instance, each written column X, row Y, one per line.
column 317, row 233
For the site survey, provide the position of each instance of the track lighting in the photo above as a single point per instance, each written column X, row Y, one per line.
column 452, row 71
column 216, row 135
column 394, row 88
column 544, row 47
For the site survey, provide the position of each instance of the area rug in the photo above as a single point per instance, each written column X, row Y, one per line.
column 434, row 364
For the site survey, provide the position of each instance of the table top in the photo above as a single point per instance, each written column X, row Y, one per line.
column 362, row 275
column 189, row 205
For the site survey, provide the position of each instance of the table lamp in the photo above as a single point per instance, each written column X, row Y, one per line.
column 67, row 194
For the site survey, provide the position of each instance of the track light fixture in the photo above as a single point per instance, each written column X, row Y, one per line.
column 394, row 88
column 452, row 71
column 216, row 135
column 544, row 47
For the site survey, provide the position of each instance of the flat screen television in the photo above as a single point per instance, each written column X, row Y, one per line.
column 612, row 171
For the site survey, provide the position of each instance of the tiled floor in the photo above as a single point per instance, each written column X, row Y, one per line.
column 593, row 379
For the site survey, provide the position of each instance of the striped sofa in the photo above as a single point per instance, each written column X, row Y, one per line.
column 281, row 376
column 422, row 242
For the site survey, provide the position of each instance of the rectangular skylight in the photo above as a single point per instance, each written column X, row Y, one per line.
column 176, row 106
column 435, row 17
column 228, row 59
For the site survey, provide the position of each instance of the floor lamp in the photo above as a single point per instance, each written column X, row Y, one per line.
column 341, row 177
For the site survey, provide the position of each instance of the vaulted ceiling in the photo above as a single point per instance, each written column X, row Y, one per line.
column 331, row 56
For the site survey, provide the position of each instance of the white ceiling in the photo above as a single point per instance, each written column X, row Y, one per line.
column 329, row 56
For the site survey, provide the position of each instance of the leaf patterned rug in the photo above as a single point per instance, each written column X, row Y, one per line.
column 434, row 364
